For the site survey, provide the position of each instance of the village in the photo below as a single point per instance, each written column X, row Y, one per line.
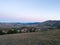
column 19, row 30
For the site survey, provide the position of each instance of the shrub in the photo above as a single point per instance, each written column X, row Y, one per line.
column 1, row 33
column 12, row 31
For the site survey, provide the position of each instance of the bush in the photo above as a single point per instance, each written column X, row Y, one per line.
column 1, row 33
column 12, row 31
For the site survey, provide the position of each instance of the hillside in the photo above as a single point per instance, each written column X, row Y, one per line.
column 18, row 25
column 49, row 23
column 51, row 37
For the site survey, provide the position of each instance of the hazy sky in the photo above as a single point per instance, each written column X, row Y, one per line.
column 29, row 10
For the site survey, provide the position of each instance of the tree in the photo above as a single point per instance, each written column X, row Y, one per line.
column 1, row 33
column 12, row 31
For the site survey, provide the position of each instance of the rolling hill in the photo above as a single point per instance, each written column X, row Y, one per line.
column 46, row 24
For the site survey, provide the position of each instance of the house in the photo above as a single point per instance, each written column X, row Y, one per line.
column 18, row 30
column 4, row 31
column 37, row 30
column 24, row 30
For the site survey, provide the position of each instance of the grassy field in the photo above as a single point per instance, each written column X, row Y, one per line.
column 51, row 37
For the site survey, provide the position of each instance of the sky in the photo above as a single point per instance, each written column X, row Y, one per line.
column 29, row 10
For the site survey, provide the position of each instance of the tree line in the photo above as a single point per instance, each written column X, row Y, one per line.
column 16, row 30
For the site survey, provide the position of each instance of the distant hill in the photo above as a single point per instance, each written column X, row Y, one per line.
column 17, row 25
column 45, row 24
column 50, row 24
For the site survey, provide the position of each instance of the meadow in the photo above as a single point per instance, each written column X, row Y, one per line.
column 50, row 37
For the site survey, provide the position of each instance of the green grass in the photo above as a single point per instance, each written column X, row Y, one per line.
column 51, row 37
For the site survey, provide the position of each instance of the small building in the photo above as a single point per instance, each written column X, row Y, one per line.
column 4, row 31
column 24, row 30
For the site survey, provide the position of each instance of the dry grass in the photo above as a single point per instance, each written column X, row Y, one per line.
column 51, row 37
